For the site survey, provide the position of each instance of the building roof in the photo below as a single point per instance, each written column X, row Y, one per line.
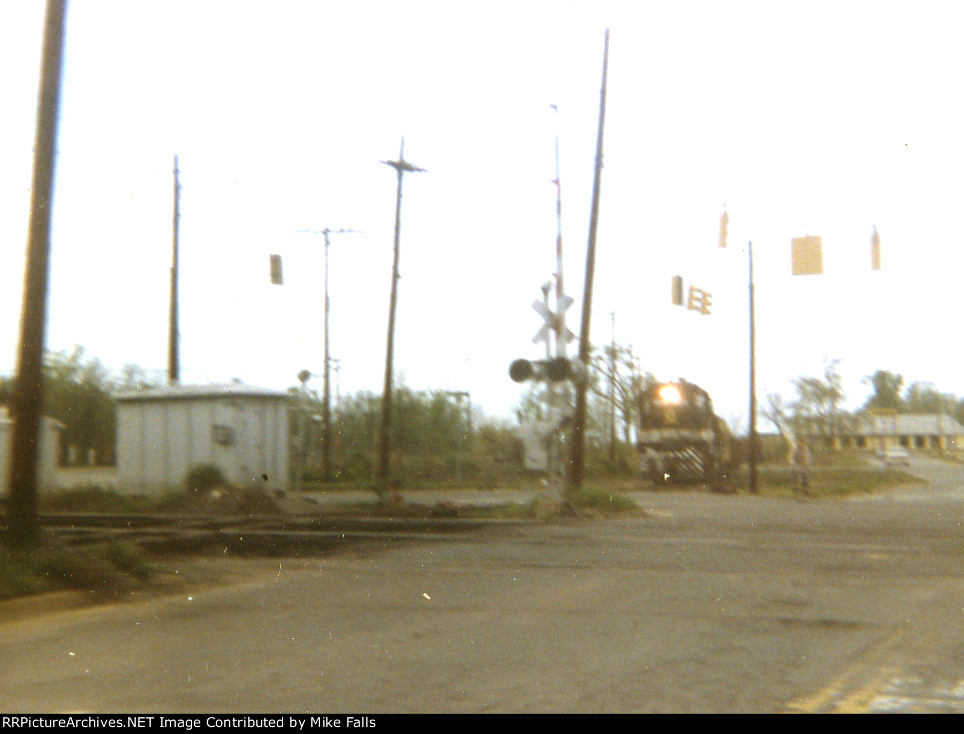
column 911, row 425
column 200, row 392
column 5, row 417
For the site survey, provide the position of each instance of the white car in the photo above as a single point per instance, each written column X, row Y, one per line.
column 896, row 455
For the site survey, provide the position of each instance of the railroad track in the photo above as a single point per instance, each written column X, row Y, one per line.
column 247, row 534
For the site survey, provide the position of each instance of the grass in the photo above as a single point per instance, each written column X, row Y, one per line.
column 108, row 567
column 112, row 567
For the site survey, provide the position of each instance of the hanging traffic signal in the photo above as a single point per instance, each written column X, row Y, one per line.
column 807, row 255
column 276, row 275
column 677, row 290
column 875, row 251
column 724, row 221
column 699, row 300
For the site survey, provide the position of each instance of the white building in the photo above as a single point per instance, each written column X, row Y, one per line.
column 164, row 432
column 47, row 461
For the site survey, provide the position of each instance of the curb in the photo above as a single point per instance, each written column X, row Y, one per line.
column 12, row 610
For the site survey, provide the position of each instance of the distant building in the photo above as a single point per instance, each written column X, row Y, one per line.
column 50, row 430
column 163, row 432
column 912, row 432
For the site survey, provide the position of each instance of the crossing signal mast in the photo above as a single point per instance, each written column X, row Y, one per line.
column 543, row 439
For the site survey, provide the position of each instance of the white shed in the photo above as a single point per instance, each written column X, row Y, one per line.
column 163, row 432
column 46, row 461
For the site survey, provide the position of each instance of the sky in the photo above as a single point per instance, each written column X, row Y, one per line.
column 796, row 118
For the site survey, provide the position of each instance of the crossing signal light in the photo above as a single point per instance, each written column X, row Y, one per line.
column 544, row 370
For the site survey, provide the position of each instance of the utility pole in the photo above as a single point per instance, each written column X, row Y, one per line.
column 326, row 380
column 23, row 527
column 612, row 391
column 752, row 453
column 578, row 447
column 401, row 167
column 173, row 337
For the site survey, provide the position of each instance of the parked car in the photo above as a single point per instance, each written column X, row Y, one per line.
column 896, row 455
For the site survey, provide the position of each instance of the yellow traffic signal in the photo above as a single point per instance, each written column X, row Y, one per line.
column 807, row 255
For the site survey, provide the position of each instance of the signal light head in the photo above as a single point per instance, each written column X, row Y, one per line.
column 521, row 370
column 551, row 370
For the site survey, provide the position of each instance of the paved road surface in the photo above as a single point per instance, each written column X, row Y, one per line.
column 705, row 604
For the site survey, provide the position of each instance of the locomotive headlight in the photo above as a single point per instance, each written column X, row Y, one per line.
column 670, row 395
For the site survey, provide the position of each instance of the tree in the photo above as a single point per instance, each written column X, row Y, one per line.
column 618, row 385
column 815, row 408
column 923, row 397
column 77, row 392
column 886, row 386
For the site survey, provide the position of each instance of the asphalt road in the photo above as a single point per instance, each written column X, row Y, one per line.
column 705, row 604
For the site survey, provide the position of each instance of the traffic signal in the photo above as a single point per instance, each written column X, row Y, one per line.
column 875, row 251
column 807, row 255
column 276, row 276
column 545, row 370
column 699, row 300
column 724, row 221
column 677, row 290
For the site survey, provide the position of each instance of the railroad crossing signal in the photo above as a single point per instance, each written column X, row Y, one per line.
column 545, row 370
column 554, row 321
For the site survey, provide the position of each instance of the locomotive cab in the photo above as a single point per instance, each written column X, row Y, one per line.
column 681, row 439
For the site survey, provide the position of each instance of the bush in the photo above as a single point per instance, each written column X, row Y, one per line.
column 109, row 566
column 204, row 477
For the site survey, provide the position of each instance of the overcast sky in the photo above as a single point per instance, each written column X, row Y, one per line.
column 821, row 118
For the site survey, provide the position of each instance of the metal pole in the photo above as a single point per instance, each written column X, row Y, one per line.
column 752, row 455
column 578, row 448
column 23, row 526
column 326, row 390
column 401, row 166
column 326, row 381
column 173, row 362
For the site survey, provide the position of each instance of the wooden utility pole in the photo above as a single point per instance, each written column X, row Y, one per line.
column 173, row 335
column 23, row 527
column 401, row 167
column 612, row 392
column 752, row 448
column 578, row 447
